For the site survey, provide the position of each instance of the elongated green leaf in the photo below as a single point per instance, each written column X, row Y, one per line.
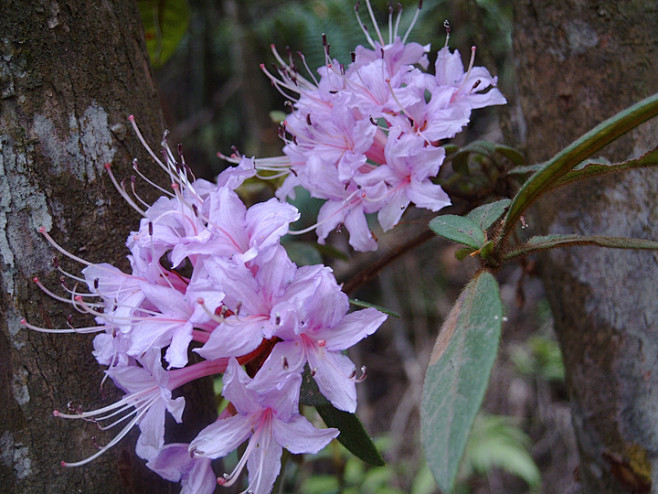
column 458, row 374
column 544, row 242
column 353, row 435
column 165, row 23
column 575, row 153
column 486, row 214
column 526, row 169
column 595, row 169
column 360, row 303
column 458, row 229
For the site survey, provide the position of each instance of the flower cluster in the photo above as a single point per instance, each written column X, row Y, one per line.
column 366, row 138
column 211, row 289
column 209, row 275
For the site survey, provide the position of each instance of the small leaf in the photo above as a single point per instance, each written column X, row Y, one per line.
column 488, row 213
column 457, row 376
column 597, row 167
column 486, row 250
column 462, row 253
column 352, row 433
column 461, row 158
column 360, row 303
column 460, row 163
column 545, row 242
column 526, row 169
column 165, row 23
column 458, row 229
column 450, row 149
column 512, row 154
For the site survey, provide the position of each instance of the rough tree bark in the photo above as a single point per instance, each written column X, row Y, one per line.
column 580, row 62
column 70, row 73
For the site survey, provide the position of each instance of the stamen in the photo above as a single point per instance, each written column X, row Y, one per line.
column 413, row 22
column 362, row 26
column 374, row 23
column 84, row 330
column 121, row 190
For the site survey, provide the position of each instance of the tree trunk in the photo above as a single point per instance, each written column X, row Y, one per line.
column 580, row 62
column 70, row 74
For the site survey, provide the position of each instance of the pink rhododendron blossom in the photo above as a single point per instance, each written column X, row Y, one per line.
column 209, row 274
column 269, row 419
column 194, row 473
column 351, row 127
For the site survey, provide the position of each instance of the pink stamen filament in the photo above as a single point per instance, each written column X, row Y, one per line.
column 141, row 401
column 413, row 22
column 347, row 202
column 122, row 191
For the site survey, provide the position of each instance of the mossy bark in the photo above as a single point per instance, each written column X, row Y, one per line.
column 70, row 74
column 578, row 63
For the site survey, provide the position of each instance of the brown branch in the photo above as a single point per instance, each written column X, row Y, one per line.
column 369, row 272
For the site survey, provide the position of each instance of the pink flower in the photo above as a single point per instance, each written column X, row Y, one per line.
column 323, row 333
column 377, row 124
column 269, row 419
column 195, row 474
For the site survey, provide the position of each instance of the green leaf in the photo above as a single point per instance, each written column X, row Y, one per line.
column 485, row 215
column 360, row 303
column 545, row 242
column 457, row 376
column 301, row 253
column 496, row 442
column 353, row 435
column 564, row 161
column 593, row 169
column 462, row 253
column 459, row 229
column 512, row 154
column 461, row 157
column 165, row 23
column 526, row 169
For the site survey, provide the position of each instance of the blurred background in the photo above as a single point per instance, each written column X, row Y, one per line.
column 206, row 56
